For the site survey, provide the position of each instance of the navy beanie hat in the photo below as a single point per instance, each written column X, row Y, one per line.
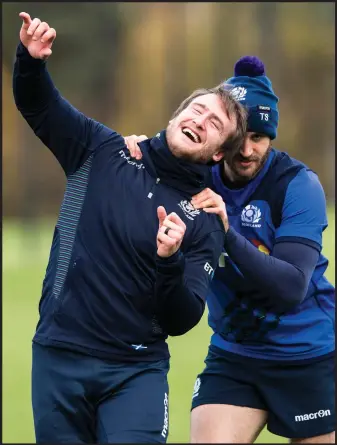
column 252, row 88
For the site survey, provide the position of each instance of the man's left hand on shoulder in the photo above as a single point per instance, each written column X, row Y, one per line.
column 211, row 202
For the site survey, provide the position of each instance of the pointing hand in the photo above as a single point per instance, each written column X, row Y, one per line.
column 36, row 36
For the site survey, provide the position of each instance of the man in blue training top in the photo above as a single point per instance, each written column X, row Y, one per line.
column 271, row 358
column 131, row 259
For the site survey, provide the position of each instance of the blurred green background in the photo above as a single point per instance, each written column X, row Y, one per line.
column 129, row 65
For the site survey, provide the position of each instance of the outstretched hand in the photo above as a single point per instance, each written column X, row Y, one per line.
column 36, row 36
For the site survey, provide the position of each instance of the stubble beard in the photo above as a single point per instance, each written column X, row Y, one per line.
column 203, row 156
column 234, row 175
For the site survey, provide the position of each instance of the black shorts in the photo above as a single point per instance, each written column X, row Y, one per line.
column 298, row 396
column 82, row 399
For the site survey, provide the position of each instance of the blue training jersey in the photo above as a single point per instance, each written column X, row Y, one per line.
column 284, row 202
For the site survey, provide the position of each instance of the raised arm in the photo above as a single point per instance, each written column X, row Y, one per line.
column 69, row 134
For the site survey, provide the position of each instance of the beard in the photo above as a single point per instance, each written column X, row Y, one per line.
column 240, row 175
column 203, row 156
column 182, row 148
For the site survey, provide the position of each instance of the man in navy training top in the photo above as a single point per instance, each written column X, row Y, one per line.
column 271, row 358
column 117, row 285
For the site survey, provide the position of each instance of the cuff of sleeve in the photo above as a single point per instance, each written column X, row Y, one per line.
column 174, row 263
column 23, row 55
column 230, row 236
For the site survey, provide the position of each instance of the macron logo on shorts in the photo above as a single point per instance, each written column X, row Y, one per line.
column 320, row 413
column 166, row 419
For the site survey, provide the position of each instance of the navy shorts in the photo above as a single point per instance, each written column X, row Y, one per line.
column 299, row 397
column 82, row 399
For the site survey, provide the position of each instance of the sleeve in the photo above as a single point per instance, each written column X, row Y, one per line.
column 182, row 283
column 281, row 280
column 304, row 211
column 69, row 134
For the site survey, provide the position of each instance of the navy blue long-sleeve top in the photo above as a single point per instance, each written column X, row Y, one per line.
column 106, row 292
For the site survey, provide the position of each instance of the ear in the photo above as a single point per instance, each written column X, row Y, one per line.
column 218, row 156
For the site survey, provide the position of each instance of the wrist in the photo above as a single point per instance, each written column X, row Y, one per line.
column 26, row 60
column 173, row 264
column 224, row 221
column 170, row 259
column 230, row 238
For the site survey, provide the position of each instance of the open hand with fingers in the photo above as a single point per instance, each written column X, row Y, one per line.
column 211, row 202
column 170, row 233
column 36, row 36
column 132, row 145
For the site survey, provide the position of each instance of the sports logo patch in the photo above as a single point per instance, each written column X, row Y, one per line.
column 166, row 417
column 320, row 413
column 251, row 216
column 188, row 209
column 196, row 388
column 239, row 93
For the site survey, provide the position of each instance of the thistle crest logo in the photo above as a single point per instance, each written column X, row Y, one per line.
column 239, row 93
column 188, row 209
column 251, row 216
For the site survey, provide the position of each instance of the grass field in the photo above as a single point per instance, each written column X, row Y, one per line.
column 25, row 254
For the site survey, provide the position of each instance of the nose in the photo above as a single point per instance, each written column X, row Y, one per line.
column 199, row 121
column 247, row 149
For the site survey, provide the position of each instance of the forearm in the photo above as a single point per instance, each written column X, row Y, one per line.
column 178, row 308
column 283, row 282
column 32, row 86
column 60, row 126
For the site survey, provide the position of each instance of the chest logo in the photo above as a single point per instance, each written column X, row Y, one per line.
column 128, row 159
column 251, row 216
column 188, row 209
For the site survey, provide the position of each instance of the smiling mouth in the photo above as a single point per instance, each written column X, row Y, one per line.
column 191, row 135
column 245, row 163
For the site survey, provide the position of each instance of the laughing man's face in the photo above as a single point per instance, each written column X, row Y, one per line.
column 199, row 131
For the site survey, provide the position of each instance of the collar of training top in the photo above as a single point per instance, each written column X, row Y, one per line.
column 187, row 177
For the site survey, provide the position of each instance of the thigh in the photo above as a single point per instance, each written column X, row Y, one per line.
column 300, row 399
column 226, row 424
column 137, row 412
column 226, row 406
column 61, row 412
